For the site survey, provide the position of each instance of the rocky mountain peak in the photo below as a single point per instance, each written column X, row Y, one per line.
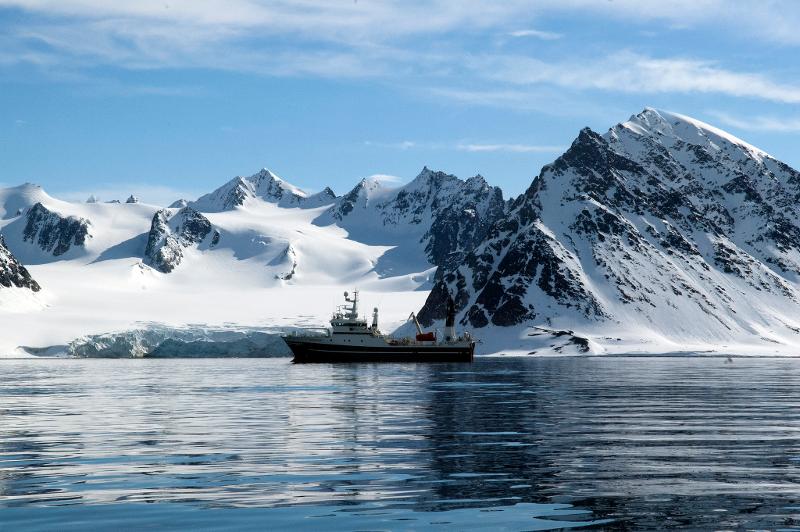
column 170, row 234
column 664, row 223
column 263, row 185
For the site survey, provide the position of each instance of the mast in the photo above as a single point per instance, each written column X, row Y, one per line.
column 352, row 312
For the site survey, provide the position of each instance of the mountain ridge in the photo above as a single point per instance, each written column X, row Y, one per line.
column 660, row 225
column 662, row 229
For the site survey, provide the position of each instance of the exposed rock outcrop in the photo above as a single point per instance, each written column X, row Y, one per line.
column 443, row 214
column 170, row 234
column 12, row 273
column 54, row 233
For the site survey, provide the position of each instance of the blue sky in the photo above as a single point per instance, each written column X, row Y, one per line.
column 166, row 99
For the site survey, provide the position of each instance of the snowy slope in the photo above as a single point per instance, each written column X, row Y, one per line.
column 261, row 267
column 665, row 232
column 15, row 200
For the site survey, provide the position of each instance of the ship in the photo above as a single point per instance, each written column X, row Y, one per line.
column 351, row 339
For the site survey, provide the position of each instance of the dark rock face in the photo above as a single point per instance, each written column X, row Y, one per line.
column 12, row 273
column 653, row 220
column 288, row 261
column 54, row 233
column 463, row 224
column 446, row 215
column 170, row 235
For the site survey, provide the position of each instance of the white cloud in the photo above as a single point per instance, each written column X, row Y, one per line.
column 769, row 20
column 402, row 145
column 629, row 72
column 759, row 123
column 512, row 148
column 390, row 41
column 469, row 146
column 544, row 35
column 386, row 178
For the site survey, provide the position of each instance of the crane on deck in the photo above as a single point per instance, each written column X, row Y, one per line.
column 421, row 336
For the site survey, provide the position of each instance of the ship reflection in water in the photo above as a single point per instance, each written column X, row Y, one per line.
column 513, row 444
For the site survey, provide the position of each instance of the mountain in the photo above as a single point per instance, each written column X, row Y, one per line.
column 12, row 273
column 263, row 185
column 662, row 234
column 183, row 273
column 663, row 227
column 436, row 214
column 170, row 234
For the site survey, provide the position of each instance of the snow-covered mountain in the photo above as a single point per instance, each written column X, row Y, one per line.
column 14, row 201
column 263, row 185
column 437, row 214
column 147, row 271
column 662, row 228
column 662, row 234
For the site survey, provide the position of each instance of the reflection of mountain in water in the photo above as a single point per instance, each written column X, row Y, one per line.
column 651, row 443
column 657, row 444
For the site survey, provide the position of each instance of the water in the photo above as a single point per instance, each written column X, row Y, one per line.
column 504, row 444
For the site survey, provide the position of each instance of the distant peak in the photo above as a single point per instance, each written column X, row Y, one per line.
column 371, row 182
column 476, row 181
column 266, row 172
column 427, row 174
column 586, row 135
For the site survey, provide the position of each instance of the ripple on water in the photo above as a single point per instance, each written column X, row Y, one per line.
column 519, row 444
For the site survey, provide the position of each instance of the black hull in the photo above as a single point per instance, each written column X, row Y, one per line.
column 308, row 352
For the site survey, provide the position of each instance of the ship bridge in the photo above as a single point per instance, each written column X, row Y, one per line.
column 346, row 320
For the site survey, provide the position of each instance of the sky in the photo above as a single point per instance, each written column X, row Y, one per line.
column 167, row 99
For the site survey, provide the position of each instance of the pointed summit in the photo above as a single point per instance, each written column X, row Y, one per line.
column 263, row 185
column 663, row 224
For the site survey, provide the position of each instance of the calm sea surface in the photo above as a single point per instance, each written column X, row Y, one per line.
column 504, row 444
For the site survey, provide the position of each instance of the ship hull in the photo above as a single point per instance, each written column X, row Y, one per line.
column 312, row 352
